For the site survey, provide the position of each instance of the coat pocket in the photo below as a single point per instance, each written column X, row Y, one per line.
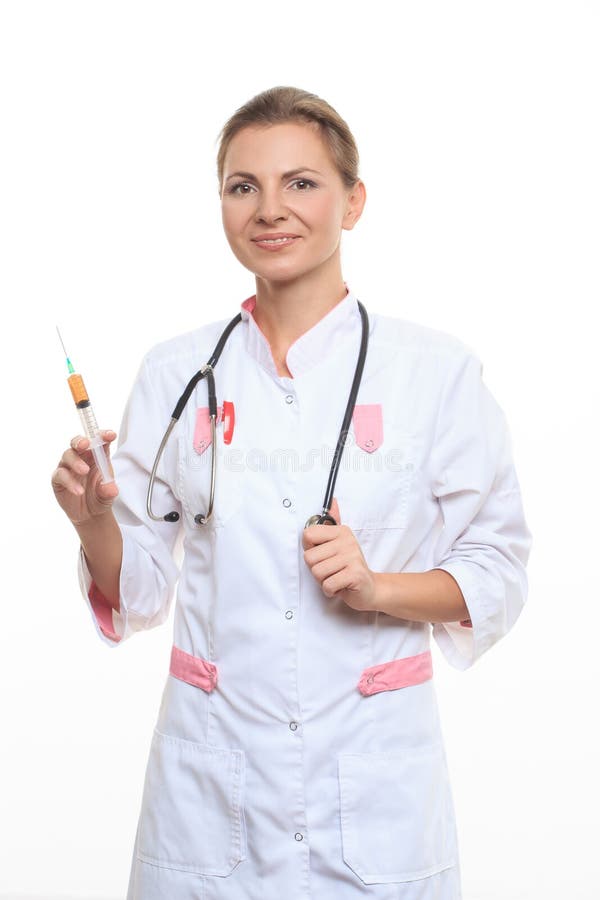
column 376, row 473
column 194, row 479
column 192, row 815
column 397, row 817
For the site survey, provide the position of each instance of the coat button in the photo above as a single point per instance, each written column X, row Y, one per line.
column 287, row 502
column 289, row 398
column 293, row 726
column 289, row 614
column 298, row 836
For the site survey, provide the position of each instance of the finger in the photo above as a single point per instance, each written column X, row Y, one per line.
column 106, row 448
column 335, row 511
column 313, row 535
column 328, row 567
column 80, row 442
column 73, row 461
column 319, row 534
column 335, row 583
column 319, row 552
column 342, row 580
column 63, row 480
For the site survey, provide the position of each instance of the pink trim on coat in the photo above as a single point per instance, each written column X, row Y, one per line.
column 193, row 669
column 103, row 612
column 398, row 673
column 203, row 429
column 367, row 419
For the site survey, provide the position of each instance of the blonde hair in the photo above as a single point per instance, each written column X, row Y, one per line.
column 290, row 104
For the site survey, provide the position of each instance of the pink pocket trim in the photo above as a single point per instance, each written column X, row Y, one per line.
column 103, row 612
column 193, row 669
column 367, row 419
column 398, row 673
column 202, row 430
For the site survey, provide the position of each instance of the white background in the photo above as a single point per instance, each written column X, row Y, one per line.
column 477, row 125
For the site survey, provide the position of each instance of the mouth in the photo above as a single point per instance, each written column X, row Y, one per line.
column 275, row 241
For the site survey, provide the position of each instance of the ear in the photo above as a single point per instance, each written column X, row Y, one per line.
column 354, row 205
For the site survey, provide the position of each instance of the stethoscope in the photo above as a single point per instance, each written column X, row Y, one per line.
column 207, row 372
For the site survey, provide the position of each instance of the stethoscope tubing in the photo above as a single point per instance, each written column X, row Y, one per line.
column 337, row 457
column 207, row 371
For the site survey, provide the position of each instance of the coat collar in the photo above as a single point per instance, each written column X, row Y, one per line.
column 310, row 348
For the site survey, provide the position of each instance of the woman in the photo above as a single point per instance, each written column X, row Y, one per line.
column 298, row 750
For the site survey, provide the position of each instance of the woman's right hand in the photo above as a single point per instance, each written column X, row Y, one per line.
column 77, row 481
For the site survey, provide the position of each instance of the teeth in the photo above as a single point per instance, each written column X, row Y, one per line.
column 275, row 240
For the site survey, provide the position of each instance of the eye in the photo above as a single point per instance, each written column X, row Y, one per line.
column 234, row 188
column 305, row 181
column 245, row 184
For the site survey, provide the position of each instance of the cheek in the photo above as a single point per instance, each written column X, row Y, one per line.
column 326, row 217
column 232, row 219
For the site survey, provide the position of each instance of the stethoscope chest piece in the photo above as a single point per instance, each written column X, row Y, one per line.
column 320, row 519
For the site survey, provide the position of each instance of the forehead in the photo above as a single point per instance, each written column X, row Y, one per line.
column 287, row 145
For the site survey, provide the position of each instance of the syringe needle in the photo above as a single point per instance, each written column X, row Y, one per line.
column 69, row 363
column 62, row 342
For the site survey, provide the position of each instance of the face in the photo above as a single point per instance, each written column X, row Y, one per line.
column 281, row 180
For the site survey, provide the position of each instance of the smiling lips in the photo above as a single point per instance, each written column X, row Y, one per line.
column 275, row 241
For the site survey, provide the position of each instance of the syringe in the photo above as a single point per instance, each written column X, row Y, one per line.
column 88, row 419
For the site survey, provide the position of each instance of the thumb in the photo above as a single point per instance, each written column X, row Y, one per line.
column 335, row 511
column 104, row 493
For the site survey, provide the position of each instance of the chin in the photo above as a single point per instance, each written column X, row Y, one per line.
column 274, row 272
column 278, row 270
column 283, row 273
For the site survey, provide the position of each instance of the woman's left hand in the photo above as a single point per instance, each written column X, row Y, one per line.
column 334, row 556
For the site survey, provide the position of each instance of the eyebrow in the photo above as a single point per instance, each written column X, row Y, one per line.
column 283, row 177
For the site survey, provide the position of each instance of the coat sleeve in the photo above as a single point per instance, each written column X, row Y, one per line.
column 484, row 542
column 148, row 570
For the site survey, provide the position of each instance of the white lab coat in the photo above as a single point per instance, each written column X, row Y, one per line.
column 297, row 751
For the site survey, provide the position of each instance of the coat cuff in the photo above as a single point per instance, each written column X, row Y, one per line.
column 110, row 624
column 462, row 643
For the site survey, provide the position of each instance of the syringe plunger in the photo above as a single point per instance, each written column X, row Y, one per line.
column 97, row 448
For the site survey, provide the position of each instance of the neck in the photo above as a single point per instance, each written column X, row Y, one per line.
column 286, row 310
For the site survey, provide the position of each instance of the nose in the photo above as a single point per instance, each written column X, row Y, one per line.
column 270, row 206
